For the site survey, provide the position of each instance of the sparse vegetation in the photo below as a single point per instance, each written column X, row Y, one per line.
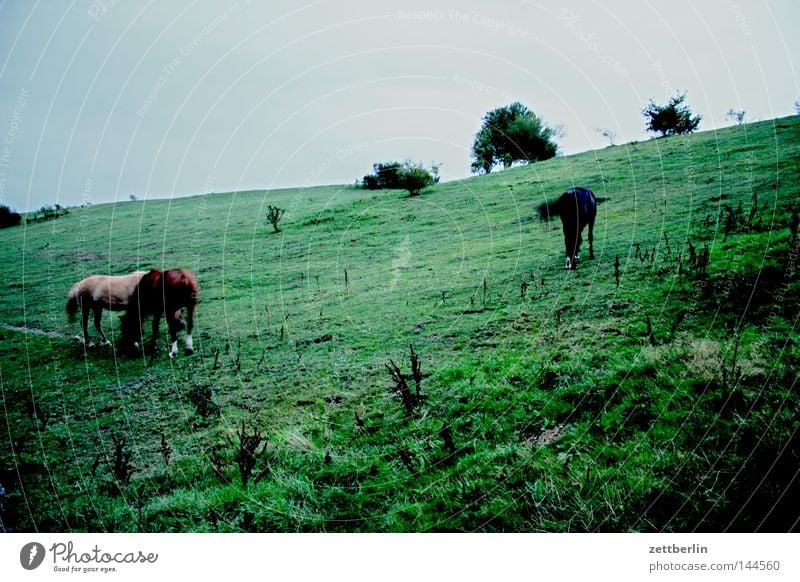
column 608, row 134
column 738, row 117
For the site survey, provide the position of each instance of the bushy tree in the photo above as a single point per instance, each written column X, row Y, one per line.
column 385, row 176
column 512, row 134
column 408, row 175
column 671, row 119
column 8, row 217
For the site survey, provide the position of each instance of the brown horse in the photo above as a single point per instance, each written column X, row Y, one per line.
column 158, row 293
column 97, row 293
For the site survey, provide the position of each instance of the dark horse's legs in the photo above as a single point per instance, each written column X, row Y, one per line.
column 591, row 238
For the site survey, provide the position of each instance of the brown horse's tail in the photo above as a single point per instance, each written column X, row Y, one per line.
column 73, row 302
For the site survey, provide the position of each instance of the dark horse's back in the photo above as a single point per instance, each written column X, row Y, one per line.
column 582, row 200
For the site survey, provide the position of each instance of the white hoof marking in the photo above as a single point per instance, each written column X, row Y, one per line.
column 189, row 344
column 173, row 351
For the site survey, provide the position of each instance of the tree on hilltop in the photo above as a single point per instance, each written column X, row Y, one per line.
column 512, row 134
column 671, row 119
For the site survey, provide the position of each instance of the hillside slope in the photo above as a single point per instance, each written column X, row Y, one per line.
column 660, row 396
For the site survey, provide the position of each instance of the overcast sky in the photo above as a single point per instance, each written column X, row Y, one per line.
column 102, row 99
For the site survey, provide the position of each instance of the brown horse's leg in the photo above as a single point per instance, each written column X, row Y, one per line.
column 174, row 324
column 98, row 318
column 156, row 324
column 85, row 323
column 189, row 326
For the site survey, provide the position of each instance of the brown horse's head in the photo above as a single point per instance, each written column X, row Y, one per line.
column 144, row 301
column 131, row 328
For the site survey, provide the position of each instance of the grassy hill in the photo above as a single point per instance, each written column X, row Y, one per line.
column 662, row 397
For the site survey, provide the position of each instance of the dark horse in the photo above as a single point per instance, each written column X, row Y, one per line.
column 159, row 293
column 577, row 208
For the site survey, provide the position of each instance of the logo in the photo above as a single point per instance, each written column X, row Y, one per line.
column 31, row 555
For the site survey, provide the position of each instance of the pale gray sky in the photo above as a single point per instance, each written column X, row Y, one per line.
column 103, row 99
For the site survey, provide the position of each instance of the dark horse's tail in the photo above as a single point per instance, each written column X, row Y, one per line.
column 73, row 303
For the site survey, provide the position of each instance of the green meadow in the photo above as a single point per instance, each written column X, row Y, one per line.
column 653, row 389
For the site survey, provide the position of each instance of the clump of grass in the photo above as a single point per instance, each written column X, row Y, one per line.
column 274, row 215
column 201, row 396
column 251, row 449
column 409, row 399
column 122, row 469
column 166, row 450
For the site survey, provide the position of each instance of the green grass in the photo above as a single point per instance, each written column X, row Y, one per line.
column 546, row 405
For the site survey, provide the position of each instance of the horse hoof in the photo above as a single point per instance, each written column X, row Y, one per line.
column 105, row 343
column 189, row 351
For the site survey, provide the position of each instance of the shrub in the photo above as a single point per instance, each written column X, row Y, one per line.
column 408, row 175
column 8, row 217
column 671, row 119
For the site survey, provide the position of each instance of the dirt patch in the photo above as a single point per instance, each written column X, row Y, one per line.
column 33, row 331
